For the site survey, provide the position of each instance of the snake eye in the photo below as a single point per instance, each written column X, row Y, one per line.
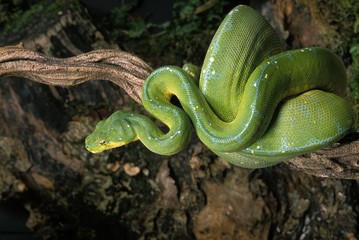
column 102, row 142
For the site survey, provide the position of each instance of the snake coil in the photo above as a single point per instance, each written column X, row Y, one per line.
column 255, row 104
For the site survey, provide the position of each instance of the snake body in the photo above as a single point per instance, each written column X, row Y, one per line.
column 254, row 104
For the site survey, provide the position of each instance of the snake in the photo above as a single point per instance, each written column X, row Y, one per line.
column 253, row 103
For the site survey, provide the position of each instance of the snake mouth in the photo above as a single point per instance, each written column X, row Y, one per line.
column 93, row 148
column 100, row 145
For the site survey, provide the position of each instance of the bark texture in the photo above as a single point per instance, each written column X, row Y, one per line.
column 131, row 193
column 123, row 69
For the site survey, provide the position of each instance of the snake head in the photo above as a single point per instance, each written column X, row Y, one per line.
column 113, row 132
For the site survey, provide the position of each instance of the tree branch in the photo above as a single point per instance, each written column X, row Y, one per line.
column 337, row 161
column 119, row 67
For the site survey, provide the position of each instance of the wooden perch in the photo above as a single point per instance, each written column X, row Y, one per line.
column 119, row 67
column 341, row 160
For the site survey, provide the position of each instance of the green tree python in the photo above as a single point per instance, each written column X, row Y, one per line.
column 252, row 103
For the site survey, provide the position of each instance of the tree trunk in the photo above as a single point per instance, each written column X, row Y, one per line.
column 131, row 193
